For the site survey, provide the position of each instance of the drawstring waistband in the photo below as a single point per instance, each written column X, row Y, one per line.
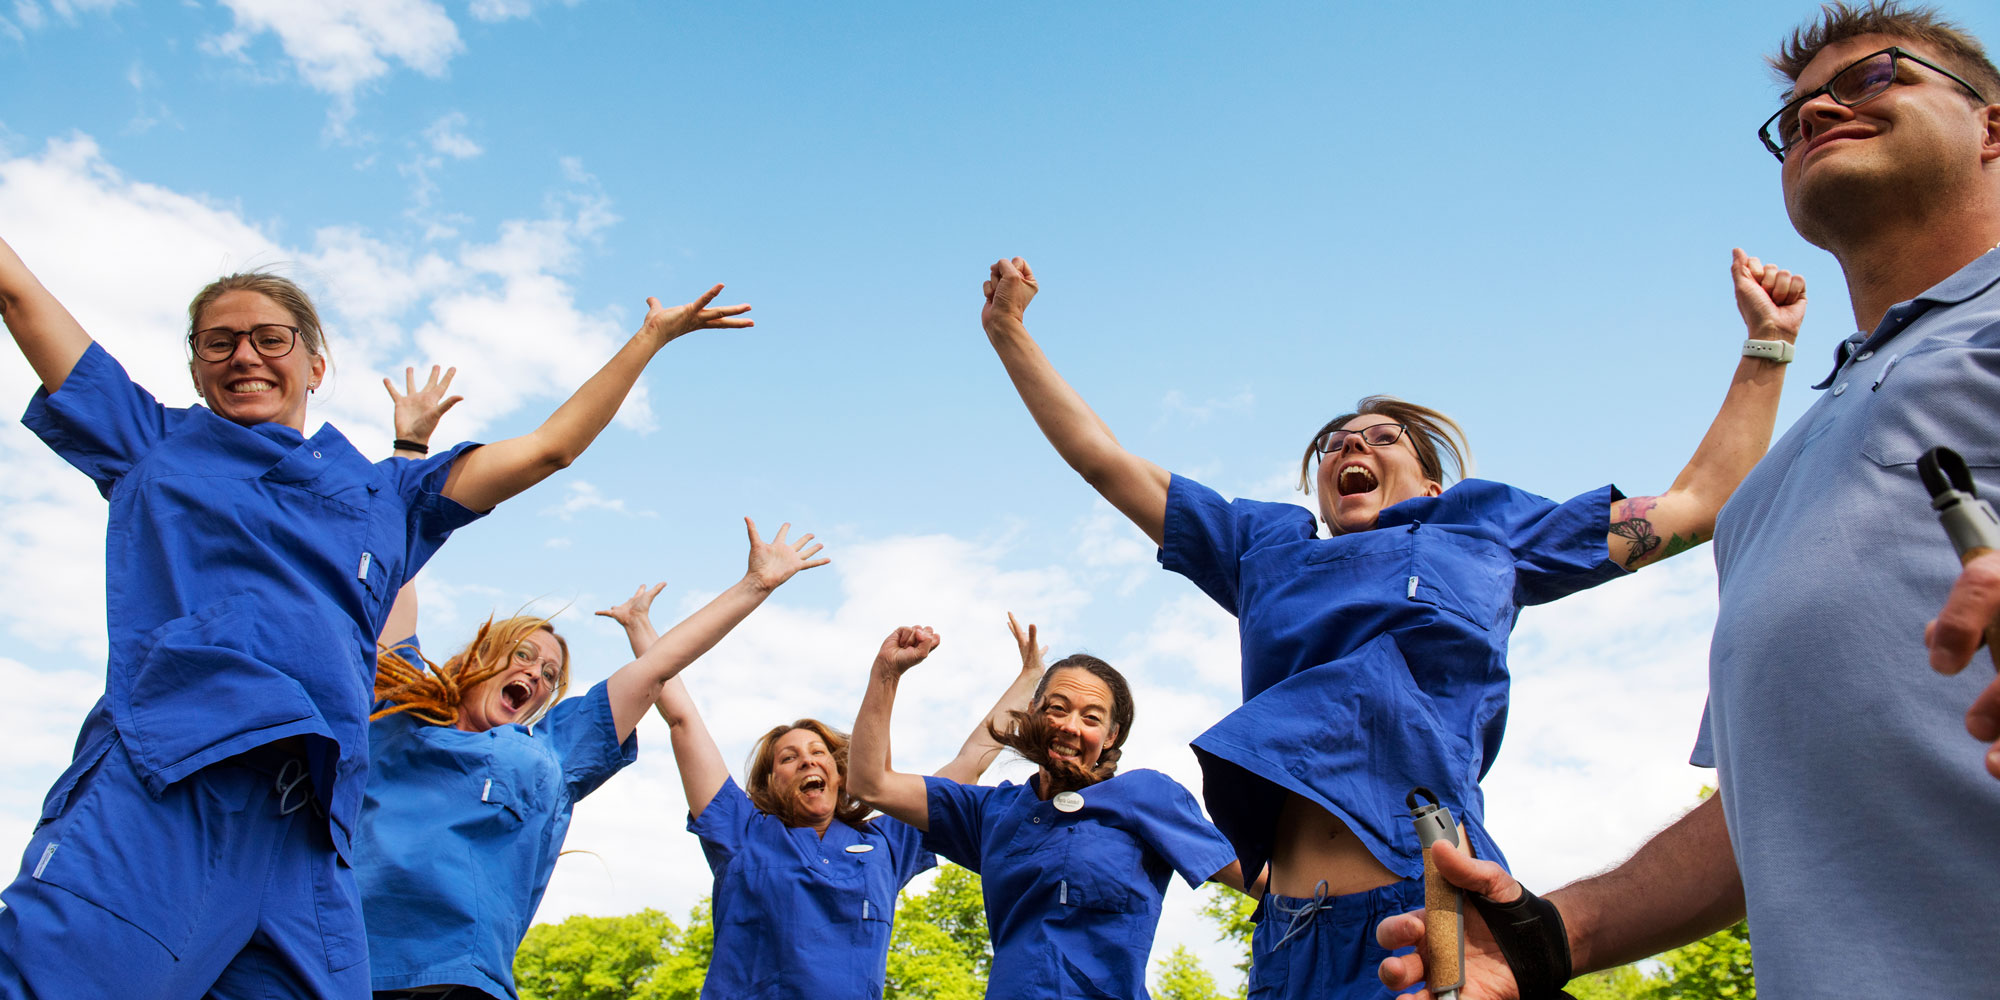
column 1302, row 918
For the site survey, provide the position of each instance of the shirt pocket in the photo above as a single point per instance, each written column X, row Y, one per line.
column 1101, row 871
column 1469, row 576
column 1938, row 394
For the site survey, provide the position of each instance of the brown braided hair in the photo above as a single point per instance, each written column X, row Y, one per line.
column 435, row 693
column 1030, row 733
column 764, row 760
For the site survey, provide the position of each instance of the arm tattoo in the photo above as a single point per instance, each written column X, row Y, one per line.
column 1628, row 521
column 1681, row 543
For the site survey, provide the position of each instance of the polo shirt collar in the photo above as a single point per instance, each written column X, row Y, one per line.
column 1968, row 281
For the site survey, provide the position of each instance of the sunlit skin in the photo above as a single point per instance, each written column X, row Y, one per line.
column 1924, row 130
column 249, row 388
column 516, row 693
column 804, row 772
column 1078, row 706
column 1382, row 478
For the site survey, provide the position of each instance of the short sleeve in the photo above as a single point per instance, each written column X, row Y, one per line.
column 721, row 825
column 906, row 848
column 957, row 819
column 1704, row 742
column 1558, row 548
column 583, row 734
column 1207, row 536
column 432, row 515
column 100, row 421
column 1172, row 824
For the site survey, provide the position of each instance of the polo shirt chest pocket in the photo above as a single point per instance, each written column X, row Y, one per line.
column 1941, row 393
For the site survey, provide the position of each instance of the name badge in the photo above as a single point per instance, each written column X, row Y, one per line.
column 1068, row 802
column 860, row 848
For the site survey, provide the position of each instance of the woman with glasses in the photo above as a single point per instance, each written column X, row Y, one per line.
column 1075, row 863
column 476, row 764
column 1374, row 658
column 805, row 880
column 201, row 833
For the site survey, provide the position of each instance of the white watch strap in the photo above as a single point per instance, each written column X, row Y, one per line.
column 1770, row 350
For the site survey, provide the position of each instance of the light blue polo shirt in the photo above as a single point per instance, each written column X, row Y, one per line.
column 1863, row 820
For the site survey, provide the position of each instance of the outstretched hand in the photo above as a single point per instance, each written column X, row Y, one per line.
column 418, row 410
column 669, row 324
column 1031, row 654
column 1487, row 975
column 636, row 610
column 1955, row 636
column 1009, row 289
column 905, row 648
column 1771, row 299
column 775, row 561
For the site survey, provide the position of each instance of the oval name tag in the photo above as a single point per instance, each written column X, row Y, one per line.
column 860, row 848
column 1068, row 802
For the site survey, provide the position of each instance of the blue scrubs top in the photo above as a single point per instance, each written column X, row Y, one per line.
column 247, row 573
column 1072, row 899
column 460, row 833
column 797, row 914
column 1374, row 662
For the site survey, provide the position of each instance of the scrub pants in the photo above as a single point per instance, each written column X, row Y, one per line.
column 225, row 886
column 1325, row 948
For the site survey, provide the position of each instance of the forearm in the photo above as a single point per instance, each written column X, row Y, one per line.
column 637, row 684
column 1137, row 487
column 484, row 477
column 1681, row 886
column 978, row 751
column 1684, row 516
column 869, row 775
column 48, row 336
column 695, row 754
column 641, row 634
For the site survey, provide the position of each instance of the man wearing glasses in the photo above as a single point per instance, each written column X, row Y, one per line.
column 1862, row 830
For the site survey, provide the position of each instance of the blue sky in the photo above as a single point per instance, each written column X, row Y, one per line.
column 1244, row 217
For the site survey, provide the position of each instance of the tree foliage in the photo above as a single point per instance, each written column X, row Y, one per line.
column 940, row 949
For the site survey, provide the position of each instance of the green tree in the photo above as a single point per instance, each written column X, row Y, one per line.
column 1716, row 967
column 940, row 949
column 643, row 956
column 1183, row 977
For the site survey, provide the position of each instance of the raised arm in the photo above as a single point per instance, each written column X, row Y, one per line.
column 695, row 754
column 636, row 685
column 418, row 410
column 483, row 477
column 49, row 337
column 980, row 749
column 1647, row 529
column 869, row 776
column 1135, row 486
column 1681, row 886
column 402, row 621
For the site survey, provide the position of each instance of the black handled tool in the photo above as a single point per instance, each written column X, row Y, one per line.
column 1970, row 523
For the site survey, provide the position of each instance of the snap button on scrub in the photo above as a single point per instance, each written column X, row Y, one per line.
column 1838, row 389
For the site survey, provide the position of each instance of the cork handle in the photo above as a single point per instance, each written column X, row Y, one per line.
column 1993, row 627
column 1444, row 930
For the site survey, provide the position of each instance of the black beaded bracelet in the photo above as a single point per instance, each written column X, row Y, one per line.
column 421, row 449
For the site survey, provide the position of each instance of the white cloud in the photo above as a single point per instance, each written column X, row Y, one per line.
column 40, row 716
column 31, row 16
column 447, row 137
column 340, row 46
column 579, row 496
column 1176, row 403
column 505, row 10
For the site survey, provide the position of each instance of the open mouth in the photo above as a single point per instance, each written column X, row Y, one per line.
column 1063, row 751
column 251, row 385
column 812, row 783
column 1354, row 479
column 515, row 696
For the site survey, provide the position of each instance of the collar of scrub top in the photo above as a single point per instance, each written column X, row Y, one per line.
column 839, row 836
column 1970, row 280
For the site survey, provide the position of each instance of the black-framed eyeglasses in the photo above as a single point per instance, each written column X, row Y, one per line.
column 1860, row 81
column 1373, row 435
column 218, row 343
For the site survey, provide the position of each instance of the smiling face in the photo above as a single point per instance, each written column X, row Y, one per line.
column 806, row 777
column 249, row 388
column 514, row 695
column 1077, row 705
column 1360, row 480
column 1919, row 140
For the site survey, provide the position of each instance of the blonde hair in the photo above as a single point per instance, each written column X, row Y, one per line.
column 282, row 290
column 1435, row 437
column 764, row 760
column 436, row 693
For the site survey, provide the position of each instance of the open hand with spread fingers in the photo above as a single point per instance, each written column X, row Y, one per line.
column 669, row 324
